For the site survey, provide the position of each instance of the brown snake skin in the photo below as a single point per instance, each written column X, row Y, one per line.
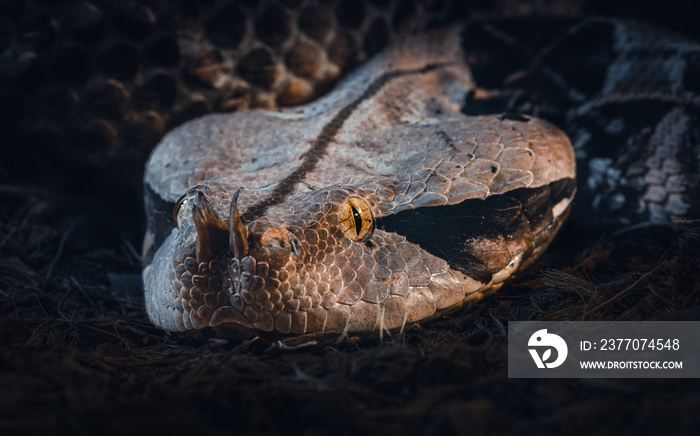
column 383, row 203
column 281, row 258
column 288, row 264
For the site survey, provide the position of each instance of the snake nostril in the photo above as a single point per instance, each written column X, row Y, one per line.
column 275, row 243
column 286, row 242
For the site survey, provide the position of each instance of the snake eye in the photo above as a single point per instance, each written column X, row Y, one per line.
column 356, row 219
column 179, row 210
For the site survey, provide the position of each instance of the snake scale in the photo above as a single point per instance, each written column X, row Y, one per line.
column 423, row 181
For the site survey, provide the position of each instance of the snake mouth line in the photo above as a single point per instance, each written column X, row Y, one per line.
column 481, row 238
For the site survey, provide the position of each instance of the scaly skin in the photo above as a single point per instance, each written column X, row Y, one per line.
column 284, row 263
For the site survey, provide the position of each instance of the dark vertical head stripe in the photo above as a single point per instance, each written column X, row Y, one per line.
column 320, row 144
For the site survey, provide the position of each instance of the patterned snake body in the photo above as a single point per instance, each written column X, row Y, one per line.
column 378, row 205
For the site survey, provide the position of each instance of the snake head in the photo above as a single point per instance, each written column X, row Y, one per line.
column 273, row 273
column 226, row 267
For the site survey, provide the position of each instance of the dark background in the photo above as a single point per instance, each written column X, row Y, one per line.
column 78, row 355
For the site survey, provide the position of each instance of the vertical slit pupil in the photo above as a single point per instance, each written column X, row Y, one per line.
column 358, row 219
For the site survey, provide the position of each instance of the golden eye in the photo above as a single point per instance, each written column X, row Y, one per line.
column 356, row 219
column 179, row 210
